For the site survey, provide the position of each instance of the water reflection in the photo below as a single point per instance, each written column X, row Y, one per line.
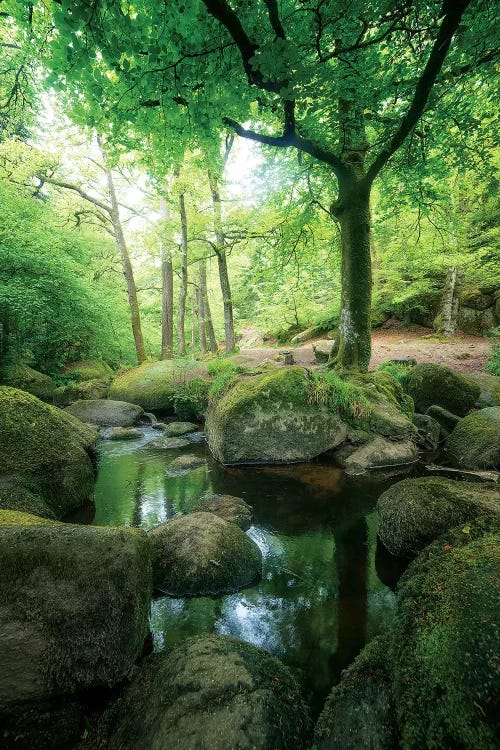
column 320, row 598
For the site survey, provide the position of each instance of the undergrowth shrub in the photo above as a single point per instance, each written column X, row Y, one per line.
column 191, row 399
column 397, row 370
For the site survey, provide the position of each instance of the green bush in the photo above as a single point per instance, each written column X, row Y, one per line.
column 191, row 399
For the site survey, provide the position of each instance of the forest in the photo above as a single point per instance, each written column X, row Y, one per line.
column 249, row 374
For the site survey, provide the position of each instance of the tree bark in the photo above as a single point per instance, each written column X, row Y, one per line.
column 193, row 320
column 184, row 278
column 128, row 272
column 207, row 315
column 167, row 292
column 448, row 315
column 202, row 325
column 220, row 251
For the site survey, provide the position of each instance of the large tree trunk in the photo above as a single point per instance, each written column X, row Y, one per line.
column 353, row 213
column 167, row 292
column 446, row 322
column 184, row 278
column 207, row 315
column 126, row 264
column 222, row 263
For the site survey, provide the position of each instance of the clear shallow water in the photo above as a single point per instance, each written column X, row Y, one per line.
column 321, row 597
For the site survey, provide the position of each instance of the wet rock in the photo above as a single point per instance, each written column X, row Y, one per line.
column 430, row 384
column 124, row 433
column 380, row 453
column 359, row 712
column 231, row 509
column 429, row 431
column 167, row 443
column 184, row 464
column 212, row 693
column 18, row 375
column 444, row 660
column 106, row 412
column 475, row 441
column 200, row 554
column 445, row 418
column 45, row 467
column 414, row 512
column 74, row 608
column 177, row 429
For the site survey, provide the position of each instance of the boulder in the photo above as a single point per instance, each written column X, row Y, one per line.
column 56, row 724
column 184, row 464
column 323, row 350
column 359, row 711
column 390, row 410
column 475, row 441
column 414, row 512
column 212, row 693
column 307, row 334
column 124, row 433
column 231, row 509
column 490, row 389
column 430, row 384
column 269, row 419
column 105, row 412
column 200, row 554
column 429, row 431
column 167, row 443
column 445, row 418
column 380, row 453
column 45, row 467
column 74, row 608
column 153, row 385
column 444, row 659
column 18, row 375
column 88, row 369
column 177, row 429
column 86, row 390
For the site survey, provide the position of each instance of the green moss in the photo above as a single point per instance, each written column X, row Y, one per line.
column 191, row 399
column 445, row 639
column 16, row 518
column 430, row 384
column 18, row 375
column 391, row 410
column 339, row 395
column 397, row 370
column 153, row 385
column 475, row 441
column 89, row 369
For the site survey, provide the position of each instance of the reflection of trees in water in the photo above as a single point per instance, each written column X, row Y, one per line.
column 138, row 495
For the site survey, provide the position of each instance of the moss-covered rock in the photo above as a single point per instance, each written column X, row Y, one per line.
column 475, row 441
column 106, row 412
column 201, row 554
column 124, row 433
column 359, row 712
column 323, row 350
column 56, row 724
column 231, row 509
column 86, row 390
column 17, row 518
column 429, row 431
column 212, row 693
column 167, row 444
column 184, row 464
column 414, row 512
column 153, row 385
column 390, row 409
column 88, row 369
column 177, row 429
column 446, row 420
column 490, row 389
column 44, row 460
column 445, row 643
column 74, row 607
column 380, row 453
column 18, row 375
column 430, row 384
column 269, row 418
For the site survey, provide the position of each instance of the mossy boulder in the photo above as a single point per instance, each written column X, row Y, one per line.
column 359, row 711
column 446, row 419
column 45, row 467
column 323, row 350
column 444, row 659
column 106, row 412
column 379, row 453
column 18, row 375
column 429, row 431
column 390, row 409
column 490, row 389
column 86, row 390
column 153, row 385
column 231, row 509
column 185, row 464
column 212, row 693
column 167, row 443
column 475, row 441
column 269, row 418
column 55, row 724
column 124, row 433
column 430, row 384
column 414, row 512
column 89, row 369
column 74, row 607
column 200, row 554
column 177, row 429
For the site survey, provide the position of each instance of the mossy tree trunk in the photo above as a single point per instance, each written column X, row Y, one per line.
column 207, row 315
column 167, row 293
column 181, row 337
column 220, row 251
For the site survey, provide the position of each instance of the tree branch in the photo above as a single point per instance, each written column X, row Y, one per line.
column 76, row 189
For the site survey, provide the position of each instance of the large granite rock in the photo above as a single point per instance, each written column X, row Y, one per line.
column 106, row 413
column 45, row 467
column 231, row 509
column 200, row 554
column 19, row 375
column 475, row 441
column 210, row 693
column 414, row 512
column 380, row 453
column 153, row 385
column 430, row 384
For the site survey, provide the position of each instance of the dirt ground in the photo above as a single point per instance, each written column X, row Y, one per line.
column 463, row 353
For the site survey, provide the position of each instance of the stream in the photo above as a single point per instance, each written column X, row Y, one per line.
column 326, row 587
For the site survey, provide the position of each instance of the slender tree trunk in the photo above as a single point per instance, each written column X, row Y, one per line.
column 167, row 292
column 126, row 264
column 448, row 315
column 207, row 315
column 222, row 264
column 184, row 278
column 193, row 322
column 202, row 324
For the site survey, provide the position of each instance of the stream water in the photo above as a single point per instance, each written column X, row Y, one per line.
column 326, row 585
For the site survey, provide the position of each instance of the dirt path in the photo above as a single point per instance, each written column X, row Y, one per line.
column 464, row 353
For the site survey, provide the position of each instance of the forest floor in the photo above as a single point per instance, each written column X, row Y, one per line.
column 464, row 353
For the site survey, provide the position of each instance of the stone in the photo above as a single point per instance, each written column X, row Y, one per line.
column 212, row 693
column 490, row 389
column 45, row 463
column 429, row 431
column 475, row 441
column 19, row 375
column 380, row 453
column 269, row 419
column 414, row 512
column 444, row 655
column 177, row 429
column 184, row 465
column 88, row 369
column 124, row 433
column 153, row 385
column 86, row 390
column 167, row 443
column 106, row 412
column 55, row 724
column 390, row 409
column 323, row 350
column 359, row 711
column 309, row 333
column 231, row 509
column 430, row 384
column 74, row 608
column 200, row 554
column 445, row 418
